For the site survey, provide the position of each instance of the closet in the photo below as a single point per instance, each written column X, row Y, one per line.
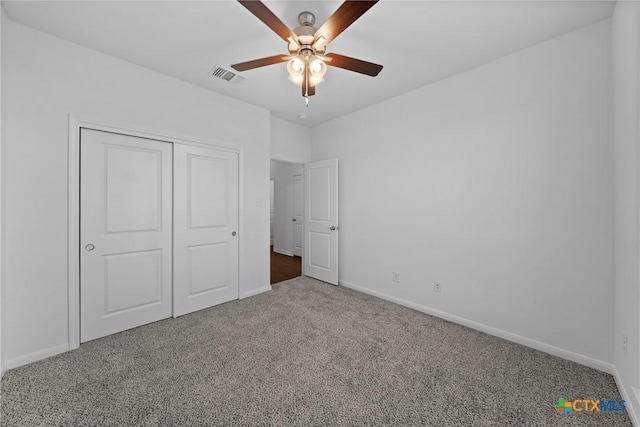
column 158, row 230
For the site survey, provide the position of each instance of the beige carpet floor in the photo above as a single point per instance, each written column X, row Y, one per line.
column 304, row 354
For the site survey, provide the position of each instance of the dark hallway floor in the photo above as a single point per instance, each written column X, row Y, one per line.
column 284, row 267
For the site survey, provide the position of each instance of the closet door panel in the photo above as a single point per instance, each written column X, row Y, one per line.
column 125, row 232
column 205, row 228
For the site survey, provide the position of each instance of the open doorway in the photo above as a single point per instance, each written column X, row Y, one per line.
column 287, row 220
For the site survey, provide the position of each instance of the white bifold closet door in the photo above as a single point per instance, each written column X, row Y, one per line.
column 205, row 256
column 125, row 232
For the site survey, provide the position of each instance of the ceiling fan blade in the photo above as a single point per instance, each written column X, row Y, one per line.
column 257, row 63
column 344, row 16
column 263, row 13
column 353, row 64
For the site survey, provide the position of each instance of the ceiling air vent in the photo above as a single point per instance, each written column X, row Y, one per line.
column 226, row 75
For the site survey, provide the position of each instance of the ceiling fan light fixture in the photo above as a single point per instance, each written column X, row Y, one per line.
column 317, row 70
column 317, row 66
column 316, row 80
column 297, row 78
column 299, row 66
column 296, row 66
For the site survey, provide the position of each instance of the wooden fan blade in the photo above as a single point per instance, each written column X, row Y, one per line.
column 353, row 64
column 346, row 15
column 263, row 13
column 257, row 63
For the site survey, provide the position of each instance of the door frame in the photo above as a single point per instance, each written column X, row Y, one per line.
column 272, row 209
column 76, row 122
column 293, row 214
column 303, row 164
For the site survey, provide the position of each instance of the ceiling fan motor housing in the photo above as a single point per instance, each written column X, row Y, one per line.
column 306, row 18
column 305, row 32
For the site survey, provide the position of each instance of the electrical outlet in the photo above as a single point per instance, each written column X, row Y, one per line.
column 395, row 276
column 437, row 286
column 624, row 344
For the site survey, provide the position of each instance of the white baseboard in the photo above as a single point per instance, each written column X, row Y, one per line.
column 630, row 397
column 256, row 292
column 555, row 351
column 36, row 355
column 282, row 252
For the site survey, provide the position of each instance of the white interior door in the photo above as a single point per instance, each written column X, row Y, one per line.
column 298, row 214
column 125, row 232
column 321, row 221
column 205, row 257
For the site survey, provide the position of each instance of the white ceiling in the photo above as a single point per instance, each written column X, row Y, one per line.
column 418, row 42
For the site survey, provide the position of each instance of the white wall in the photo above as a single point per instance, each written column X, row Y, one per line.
column 43, row 80
column 625, row 32
column 290, row 142
column 497, row 182
column 282, row 173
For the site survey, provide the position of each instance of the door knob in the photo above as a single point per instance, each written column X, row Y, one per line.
column 332, row 228
column 89, row 247
column 294, row 220
column 233, row 233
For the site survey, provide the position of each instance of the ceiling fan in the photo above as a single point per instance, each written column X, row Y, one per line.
column 307, row 62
